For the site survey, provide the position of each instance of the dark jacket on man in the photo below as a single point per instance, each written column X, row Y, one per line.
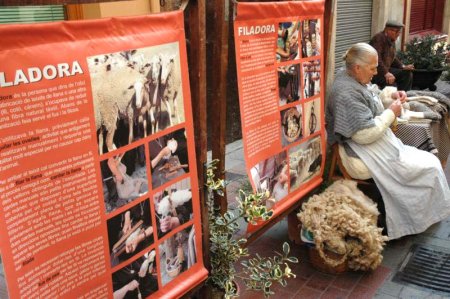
column 386, row 53
column 387, row 62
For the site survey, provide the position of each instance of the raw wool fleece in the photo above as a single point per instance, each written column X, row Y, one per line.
column 344, row 220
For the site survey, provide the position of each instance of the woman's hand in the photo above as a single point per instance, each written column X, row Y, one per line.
column 168, row 223
column 166, row 151
column 127, row 222
column 399, row 95
column 130, row 245
column 396, row 107
column 132, row 285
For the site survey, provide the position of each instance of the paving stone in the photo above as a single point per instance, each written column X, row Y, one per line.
column 391, row 288
column 375, row 278
column 307, row 293
column 236, row 145
column 416, row 293
column 293, row 285
column 334, row 293
column 381, row 295
column 393, row 256
column 362, row 292
column 305, row 270
column 347, row 281
column 320, row 281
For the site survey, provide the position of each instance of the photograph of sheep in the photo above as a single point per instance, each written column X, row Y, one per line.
column 271, row 175
column 124, row 178
column 305, row 161
column 311, row 38
column 289, row 83
column 173, row 206
column 130, row 232
column 177, row 254
column 312, row 113
column 3, row 286
column 135, row 93
column 287, row 41
column 168, row 157
column 291, row 125
column 311, row 75
column 138, row 279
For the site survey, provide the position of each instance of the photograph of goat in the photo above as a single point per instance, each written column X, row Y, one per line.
column 136, row 93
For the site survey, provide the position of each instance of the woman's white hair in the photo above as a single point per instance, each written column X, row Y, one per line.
column 358, row 54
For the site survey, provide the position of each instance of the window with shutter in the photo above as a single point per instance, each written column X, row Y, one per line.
column 353, row 25
column 31, row 14
column 426, row 15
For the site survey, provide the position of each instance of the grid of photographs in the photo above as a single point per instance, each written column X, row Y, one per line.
column 298, row 67
column 141, row 133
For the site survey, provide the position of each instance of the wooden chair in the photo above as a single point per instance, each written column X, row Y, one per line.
column 336, row 164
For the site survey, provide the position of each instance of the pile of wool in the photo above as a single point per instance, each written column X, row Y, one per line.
column 344, row 220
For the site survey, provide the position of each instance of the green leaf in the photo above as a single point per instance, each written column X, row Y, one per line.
column 292, row 259
column 286, row 248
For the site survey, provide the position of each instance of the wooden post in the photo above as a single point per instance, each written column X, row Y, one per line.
column 197, row 75
column 217, row 104
column 74, row 12
column 329, row 15
column 154, row 6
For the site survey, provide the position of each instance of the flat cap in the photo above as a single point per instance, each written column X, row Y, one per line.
column 394, row 24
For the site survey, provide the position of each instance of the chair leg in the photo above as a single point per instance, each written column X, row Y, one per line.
column 333, row 164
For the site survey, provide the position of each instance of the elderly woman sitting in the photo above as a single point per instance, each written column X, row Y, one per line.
column 412, row 183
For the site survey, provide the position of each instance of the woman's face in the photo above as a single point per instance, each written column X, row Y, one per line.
column 366, row 71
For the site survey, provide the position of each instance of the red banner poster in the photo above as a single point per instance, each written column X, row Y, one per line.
column 98, row 186
column 279, row 58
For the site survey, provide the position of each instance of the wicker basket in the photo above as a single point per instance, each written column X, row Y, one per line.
column 318, row 262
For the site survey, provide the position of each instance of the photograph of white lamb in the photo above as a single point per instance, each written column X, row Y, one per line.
column 135, row 94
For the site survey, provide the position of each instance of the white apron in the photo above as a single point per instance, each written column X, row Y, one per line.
column 411, row 181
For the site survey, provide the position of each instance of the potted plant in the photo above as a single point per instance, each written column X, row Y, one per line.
column 428, row 55
column 258, row 273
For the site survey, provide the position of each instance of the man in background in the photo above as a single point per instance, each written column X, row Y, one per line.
column 391, row 71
